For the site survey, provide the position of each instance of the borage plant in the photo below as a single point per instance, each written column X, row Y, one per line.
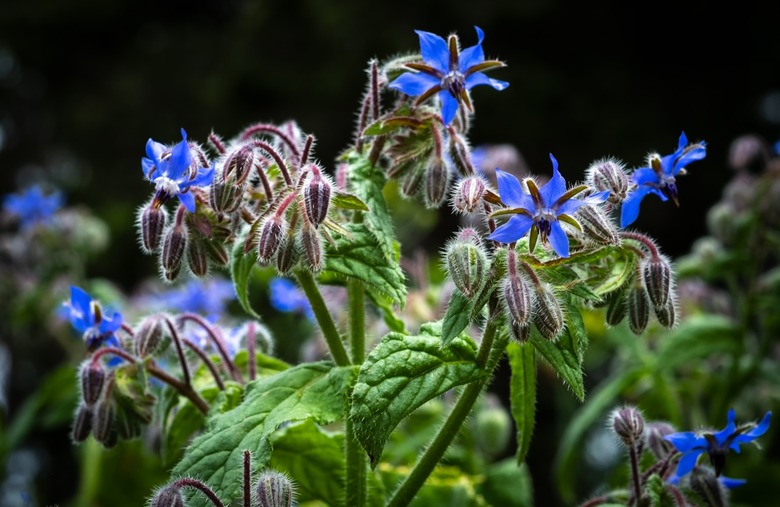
column 375, row 419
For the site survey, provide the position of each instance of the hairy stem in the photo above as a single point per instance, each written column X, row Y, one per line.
column 355, row 456
column 329, row 331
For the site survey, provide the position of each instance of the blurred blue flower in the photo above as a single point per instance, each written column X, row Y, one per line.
column 173, row 171
column 207, row 298
column 540, row 211
column 447, row 71
column 659, row 178
column 86, row 316
column 287, row 297
column 32, row 206
column 716, row 445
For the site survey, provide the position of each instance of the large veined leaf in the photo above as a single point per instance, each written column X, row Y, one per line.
column 522, row 394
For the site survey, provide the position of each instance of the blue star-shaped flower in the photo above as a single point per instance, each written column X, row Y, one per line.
column 32, row 206
column 447, row 71
column 716, row 445
column 659, row 179
column 540, row 211
column 173, row 172
column 87, row 317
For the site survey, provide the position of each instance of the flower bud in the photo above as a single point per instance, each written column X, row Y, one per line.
column 93, row 378
column 102, row 422
column 82, row 424
column 226, row 194
column 704, row 482
column 238, row 164
column 616, row 308
column 197, row 259
column 638, row 309
column 519, row 332
column 169, row 496
column 274, row 489
column 437, row 181
column 148, row 336
column 548, row 316
column 412, row 182
column 654, row 436
column 609, row 174
column 271, row 234
column 467, row 262
column 312, row 247
column 152, row 221
column 316, row 197
column 628, row 424
column 657, row 274
column 216, row 252
column 287, row 256
column 459, row 154
column 172, row 254
column 596, row 225
column 749, row 153
column 468, row 194
column 667, row 315
column 518, row 294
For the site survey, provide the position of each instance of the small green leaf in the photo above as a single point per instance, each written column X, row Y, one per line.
column 562, row 356
column 575, row 327
column 565, row 279
column 401, row 374
column 344, row 200
column 698, row 336
column 457, row 317
column 241, row 265
column 619, row 268
column 522, row 394
column 389, row 313
column 316, row 391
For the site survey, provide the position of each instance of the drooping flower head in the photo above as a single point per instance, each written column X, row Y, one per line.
column 716, row 445
column 659, row 178
column 540, row 211
column 174, row 171
column 87, row 317
column 448, row 71
column 32, row 206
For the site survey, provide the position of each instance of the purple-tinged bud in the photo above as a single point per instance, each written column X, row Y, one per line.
column 287, row 256
column 152, row 221
column 628, row 424
column 272, row 233
column 197, row 259
column 102, row 423
column 274, row 489
column 148, row 336
column 172, row 255
column 654, row 437
column 638, row 309
column 412, row 182
column 548, row 316
column 225, row 196
column 239, row 164
column 437, row 181
column 609, row 174
column 468, row 194
column 217, row 252
column 316, row 196
column 93, row 379
column 125, row 427
column 312, row 248
column 82, row 424
column 667, row 315
column 705, row 484
column 616, row 308
column 596, row 225
column 169, row 496
column 467, row 262
column 518, row 295
column 520, row 333
column 657, row 274
column 460, row 154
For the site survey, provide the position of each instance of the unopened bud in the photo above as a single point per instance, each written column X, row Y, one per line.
column 152, row 221
column 657, row 274
column 654, row 437
column 226, row 194
column 216, row 251
column 628, row 424
column 518, row 294
column 412, row 181
column 316, row 197
column 749, row 153
column 102, row 423
column 609, row 174
column 148, row 336
column 271, row 234
column 274, row 489
column 93, row 378
column 287, row 256
column 468, row 194
column 638, row 309
column 197, row 259
column 172, row 255
column 667, row 315
column 312, row 247
column 169, row 496
column 519, row 332
column 704, row 482
column 548, row 316
column 459, row 154
column 82, row 424
column 596, row 225
column 616, row 308
column 437, row 181
column 466, row 262
column 239, row 164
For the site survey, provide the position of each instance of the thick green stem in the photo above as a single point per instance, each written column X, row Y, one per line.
column 329, row 331
column 433, row 454
column 355, row 456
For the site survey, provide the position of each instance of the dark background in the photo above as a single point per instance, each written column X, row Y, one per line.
column 84, row 84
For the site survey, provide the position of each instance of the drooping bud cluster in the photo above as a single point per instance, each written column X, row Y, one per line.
column 93, row 380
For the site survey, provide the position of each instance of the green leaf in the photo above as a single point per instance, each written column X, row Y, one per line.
column 562, row 355
column 698, row 336
column 565, row 279
column 600, row 401
column 457, row 317
column 357, row 257
column 508, row 484
column 447, row 486
column 241, row 265
column 522, row 394
column 316, row 391
column 402, row 373
column 618, row 269
column 575, row 327
column 344, row 200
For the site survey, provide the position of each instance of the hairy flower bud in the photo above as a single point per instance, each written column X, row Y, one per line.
column 147, row 336
column 468, row 194
column 596, row 225
column 287, row 256
column 312, row 248
column 616, row 308
column 226, row 194
column 169, row 496
column 638, row 309
column 102, row 423
column 173, row 249
column 274, row 489
column 412, row 182
column 239, row 164
column 271, row 234
column 657, row 274
column 704, row 482
column 609, row 174
column 197, row 259
column 437, row 181
column 667, row 315
column 654, row 437
column 467, row 262
column 217, row 252
column 82, row 424
column 548, row 316
column 459, row 154
column 518, row 294
column 628, row 424
column 93, row 378
column 520, row 332
column 152, row 221
column 316, row 197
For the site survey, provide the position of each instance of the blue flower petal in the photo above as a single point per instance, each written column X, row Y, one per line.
column 684, row 441
column 688, row 461
column 515, row 228
column 479, row 78
column 434, row 51
column 644, row 176
column 188, row 201
column 181, row 159
column 147, row 165
column 753, row 434
column 730, row 482
column 630, row 208
column 723, row 435
column 449, row 106
column 511, row 191
column 558, row 239
column 203, row 179
column 571, row 205
column 473, row 55
column 414, row 84
column 81, row 316
column 554, row 188
column 154, row 150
